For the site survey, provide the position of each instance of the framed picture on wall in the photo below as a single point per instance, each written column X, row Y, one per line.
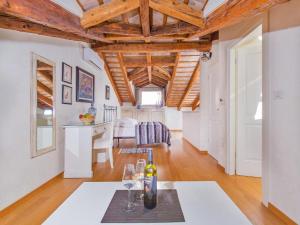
column 66, row 73
column 66, row 95
column 107, row 92
column 85, row 85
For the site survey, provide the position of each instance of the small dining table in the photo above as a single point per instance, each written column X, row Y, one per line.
column 202, row 203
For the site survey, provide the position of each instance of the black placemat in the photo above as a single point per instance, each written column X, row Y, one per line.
column 168, row 209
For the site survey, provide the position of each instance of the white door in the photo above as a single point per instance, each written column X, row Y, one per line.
column 249, row 109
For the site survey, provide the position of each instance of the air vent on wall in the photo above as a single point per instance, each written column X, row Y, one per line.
column 92, row 57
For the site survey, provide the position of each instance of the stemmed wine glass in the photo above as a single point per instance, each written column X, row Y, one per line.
column 140, row 167
column 128, row 181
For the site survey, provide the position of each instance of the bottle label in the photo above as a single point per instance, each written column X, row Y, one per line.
column 150, row 186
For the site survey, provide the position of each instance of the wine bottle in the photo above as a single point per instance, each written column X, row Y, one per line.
column 150, row 183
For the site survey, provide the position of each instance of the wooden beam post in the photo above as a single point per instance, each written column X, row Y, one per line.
column 172, row 78
column 196, row 103
column 124, row 71
column 178, row 10
column 233, row 12
column 156, row 47
column 144, row 17
column 163, row 71
column 47, row 13
column 149, row 67
column 44, row 88
column 195, row 76
column 107, row 11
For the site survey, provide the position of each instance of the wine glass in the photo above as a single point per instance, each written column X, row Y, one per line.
column 140, row 167
column 128, row 181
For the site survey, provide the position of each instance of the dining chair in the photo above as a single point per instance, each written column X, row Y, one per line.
column 106, row 142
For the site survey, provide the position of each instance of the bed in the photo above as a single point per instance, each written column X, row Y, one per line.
column 144, row 133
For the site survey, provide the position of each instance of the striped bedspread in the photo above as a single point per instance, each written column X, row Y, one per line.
column 152, row 133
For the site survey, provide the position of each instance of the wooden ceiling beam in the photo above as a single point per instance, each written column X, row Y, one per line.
column 44, row 88
column 160, row 79
column 36, row 12
column 46, row 75
column 233, row 12
column 118, row 28
column 194, row 78
column 114, row 37
column 110, row 77
column 45, row 100
column 141, row 80
column 157, row 83
column 145, row 17
column 149, row 67
column 80, row 5
column 160, row 75
column 178, row 10
column 155, row 47
column 174, row 29
column 196, row 103
column 138, row 76
column 165, row 18
column 156, row 61
column 163, row 71
column 171, row 83
column 135, row 72
column 13, row 23
column 107, row 11
column 125, row 76
column 143, row 84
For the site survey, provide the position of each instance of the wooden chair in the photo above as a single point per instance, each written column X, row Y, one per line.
column 106, row 142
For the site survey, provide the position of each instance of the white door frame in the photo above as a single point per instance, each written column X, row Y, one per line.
column 231, row 103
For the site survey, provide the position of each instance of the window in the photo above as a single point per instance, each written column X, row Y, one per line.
column 151, row 98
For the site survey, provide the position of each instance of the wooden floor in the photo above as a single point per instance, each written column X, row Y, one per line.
column 182, row 163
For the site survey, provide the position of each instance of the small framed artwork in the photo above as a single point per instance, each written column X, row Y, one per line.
column 85, row 85
column 66, row 73
column 107, row 92
column 66, row 95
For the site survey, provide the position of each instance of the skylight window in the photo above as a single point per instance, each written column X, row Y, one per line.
column 151, row 98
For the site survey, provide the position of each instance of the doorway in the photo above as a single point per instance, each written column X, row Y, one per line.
column 246, row 106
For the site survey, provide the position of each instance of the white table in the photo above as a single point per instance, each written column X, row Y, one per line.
column 202, row 203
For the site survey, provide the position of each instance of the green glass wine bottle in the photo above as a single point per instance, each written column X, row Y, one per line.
column 150, row 184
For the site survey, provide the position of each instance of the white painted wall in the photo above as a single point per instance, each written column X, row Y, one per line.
column 19, row 173
column 173, row 118
column 282, row 69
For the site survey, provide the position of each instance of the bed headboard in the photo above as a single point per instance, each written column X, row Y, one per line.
column 110, row 113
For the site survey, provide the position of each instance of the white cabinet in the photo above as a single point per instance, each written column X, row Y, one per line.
column 79, row 147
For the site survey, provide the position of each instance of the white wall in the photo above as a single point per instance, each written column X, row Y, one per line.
column 19, row 173
column 173, row 118
column 282, row 69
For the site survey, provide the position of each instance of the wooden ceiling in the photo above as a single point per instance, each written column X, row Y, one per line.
column 142, row 42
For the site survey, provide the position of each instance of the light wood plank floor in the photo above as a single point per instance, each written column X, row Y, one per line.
column 182, row 163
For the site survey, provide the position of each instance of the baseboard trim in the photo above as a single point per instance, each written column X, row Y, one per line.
column 22, row 199
column 280, row 214
column 204, row 152
column 221, row 167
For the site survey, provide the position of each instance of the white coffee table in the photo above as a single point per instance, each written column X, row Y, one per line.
column 202, row 203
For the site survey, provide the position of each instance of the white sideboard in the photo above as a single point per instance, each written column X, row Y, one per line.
column 79, row 147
